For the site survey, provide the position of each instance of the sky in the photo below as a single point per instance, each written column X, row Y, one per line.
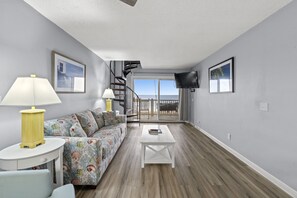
column 150, row 87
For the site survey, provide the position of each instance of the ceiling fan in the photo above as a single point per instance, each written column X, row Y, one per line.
column 130, row 2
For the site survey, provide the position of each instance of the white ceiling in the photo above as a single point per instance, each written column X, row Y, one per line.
column 166, row 34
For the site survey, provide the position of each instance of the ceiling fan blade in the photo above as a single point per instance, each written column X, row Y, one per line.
column 130, row 2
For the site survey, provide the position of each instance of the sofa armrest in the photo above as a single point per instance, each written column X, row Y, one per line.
column 82, row 157
column 121, row 118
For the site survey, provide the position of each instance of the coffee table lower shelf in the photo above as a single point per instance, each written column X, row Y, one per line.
column 157, row 154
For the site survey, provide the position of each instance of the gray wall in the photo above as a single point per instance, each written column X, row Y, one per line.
column 26, row 42
column 265, row 71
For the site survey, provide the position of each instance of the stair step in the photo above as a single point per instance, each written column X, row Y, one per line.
column 117, row 99
column 120, row 78
column 126, row 72
column 133, row 121
column 121, row 84
column 118, row 89
column 128, row 63
column 131, row 115
column 130, row 67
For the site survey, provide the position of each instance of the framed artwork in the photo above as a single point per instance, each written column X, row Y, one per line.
column 69, row 76
column 221, row 77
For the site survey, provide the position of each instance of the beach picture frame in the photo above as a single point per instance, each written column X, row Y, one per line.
column 69, row 75
column 221, row 77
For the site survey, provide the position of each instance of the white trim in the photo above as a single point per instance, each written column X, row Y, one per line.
column 254, row 166
column 159, row 96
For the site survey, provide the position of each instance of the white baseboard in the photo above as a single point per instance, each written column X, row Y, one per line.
column 254, row 166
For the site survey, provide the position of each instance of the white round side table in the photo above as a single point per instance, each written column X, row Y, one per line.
column 15, row 158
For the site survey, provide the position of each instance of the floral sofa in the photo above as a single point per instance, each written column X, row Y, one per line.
column 92, row 139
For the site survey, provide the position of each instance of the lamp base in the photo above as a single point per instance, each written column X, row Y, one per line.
column 32, row 145
column 32, row 128
column 108, row 105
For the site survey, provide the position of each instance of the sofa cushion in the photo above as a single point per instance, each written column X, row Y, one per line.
column 110, row 118
column 77, row 131
column 54, row 128
column 68, row 121
column 97, row 113
column 87, row 122
column 60, row 126
column 109, row 137
column 121, row 126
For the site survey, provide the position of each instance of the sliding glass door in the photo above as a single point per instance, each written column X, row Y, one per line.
column 159, row 99
column 147, row 90
column 169, row 100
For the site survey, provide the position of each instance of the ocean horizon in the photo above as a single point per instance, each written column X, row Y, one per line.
column 162, row 97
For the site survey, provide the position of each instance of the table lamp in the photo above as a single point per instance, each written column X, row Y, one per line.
column 31, row 91
column 108, row 94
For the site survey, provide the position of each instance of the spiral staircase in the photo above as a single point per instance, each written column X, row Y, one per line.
column 124, row 95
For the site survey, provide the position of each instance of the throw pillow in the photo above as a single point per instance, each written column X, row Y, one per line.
column 110, row 118
column 98, row 117
column 87, row 122
column 53, row 128
column 77, row 131
column 66, row 122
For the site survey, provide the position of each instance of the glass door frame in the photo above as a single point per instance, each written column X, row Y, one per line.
column 158, row 78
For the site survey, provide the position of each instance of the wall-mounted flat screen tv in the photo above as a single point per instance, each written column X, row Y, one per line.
column 187, row 80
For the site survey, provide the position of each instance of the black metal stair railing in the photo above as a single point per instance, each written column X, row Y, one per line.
column 137, row 108
column 120, row 88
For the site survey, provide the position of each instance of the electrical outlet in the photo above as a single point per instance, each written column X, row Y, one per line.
column 229, row 136
column 264, row 106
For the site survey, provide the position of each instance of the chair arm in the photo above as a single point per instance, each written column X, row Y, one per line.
column 82, row 155
column 25, row 183
column 64, row 191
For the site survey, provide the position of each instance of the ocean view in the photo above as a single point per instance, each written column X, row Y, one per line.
column 162, row 97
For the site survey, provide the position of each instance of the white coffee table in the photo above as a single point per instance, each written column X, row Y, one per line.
column 157, row 149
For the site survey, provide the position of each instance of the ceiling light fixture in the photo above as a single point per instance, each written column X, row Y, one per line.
column 130, row 2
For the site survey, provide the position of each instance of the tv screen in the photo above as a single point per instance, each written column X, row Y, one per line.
column 186, row 80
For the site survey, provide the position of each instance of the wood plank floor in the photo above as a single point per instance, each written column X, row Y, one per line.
column 202, row 169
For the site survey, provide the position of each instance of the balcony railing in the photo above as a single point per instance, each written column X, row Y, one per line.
column 150, row 107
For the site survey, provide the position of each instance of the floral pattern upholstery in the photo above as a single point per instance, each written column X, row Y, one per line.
column 109, row 137
column 97, row 113
column 53, row 128
column 110, row 118
column 82, row 159
column 61, row 126
column 86, row 158
column 77, row 131
column 121, row 118
column 87, row 122
column 121, row 126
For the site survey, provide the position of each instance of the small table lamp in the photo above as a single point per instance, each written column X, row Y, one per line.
column 108, row 94
column 31, row 91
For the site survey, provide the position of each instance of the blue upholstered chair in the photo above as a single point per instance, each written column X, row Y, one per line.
column 33, row 184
